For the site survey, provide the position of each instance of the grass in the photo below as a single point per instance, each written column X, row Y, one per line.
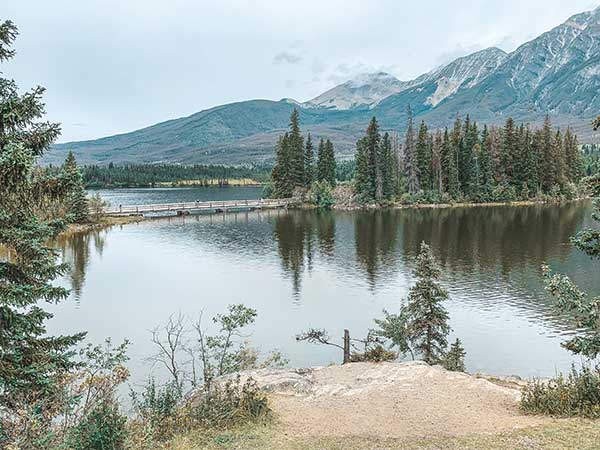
column 564, row 434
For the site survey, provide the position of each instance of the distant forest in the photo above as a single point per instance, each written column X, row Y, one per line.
column 151, row 175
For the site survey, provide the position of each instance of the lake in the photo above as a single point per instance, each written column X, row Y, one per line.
column 329, row 269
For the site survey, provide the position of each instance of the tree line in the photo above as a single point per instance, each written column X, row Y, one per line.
column 295, row 164
column 149, row 175
column 467, row 162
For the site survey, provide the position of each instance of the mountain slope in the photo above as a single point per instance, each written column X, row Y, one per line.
column 557, row 73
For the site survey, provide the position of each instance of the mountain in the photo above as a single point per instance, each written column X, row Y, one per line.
column 366, row 90
column 558, row 73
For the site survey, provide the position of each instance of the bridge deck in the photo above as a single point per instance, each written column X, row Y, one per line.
column 123, row 210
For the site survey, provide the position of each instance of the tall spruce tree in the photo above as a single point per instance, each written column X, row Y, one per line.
column 427, row 319
column 548, row 166
column 423, row 150
column 573, row 156
column 280, row 175
column 32, row 362
column 485, row 165
column 437, row 162
column 465, row 156
column 411, row 162
column 387, row 168
column 362, row 179
column 450, row 146
column 296, row 151
column 77, row 202
column 329, row 164
column 309, row 163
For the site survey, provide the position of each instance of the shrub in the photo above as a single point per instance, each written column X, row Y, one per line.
column 321, row 195
column 231, row 403
column 503, row 192
column 577, row 394
column 103, row 429
column 374, row 354
column 267, row 191
column 97, row 206
column 156, row 406
column 454, row 359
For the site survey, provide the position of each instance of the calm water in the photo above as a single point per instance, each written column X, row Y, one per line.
column 330, row 270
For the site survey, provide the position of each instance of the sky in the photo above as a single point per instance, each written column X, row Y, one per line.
column 112, row 66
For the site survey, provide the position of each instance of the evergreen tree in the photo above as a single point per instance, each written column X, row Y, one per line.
column 575, row 303
column 509, row 145
column 32, row 362
column 448, row 147
column 411, row 163
column 559, row 159
column 309, row 163
column 362, row 179
column 387, row 168
column 296, row 151
column 367, row 172
column 573, row 157
column 454, row 360
column 329, row 164
column 426, row 316
column 548, row 167
column 485, row 165
column 436, row 162
column 465, row 156
column 77, row 201
column 423, row 150
column 280, row 176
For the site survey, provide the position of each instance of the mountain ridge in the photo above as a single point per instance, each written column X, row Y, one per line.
column 557, row 73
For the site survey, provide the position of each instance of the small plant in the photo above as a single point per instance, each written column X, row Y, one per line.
column 454, row 359
column 321, row 195
column 156, row 406
column 97, row 206
column 577, row 394
column 228, row 404
column 377, row 353
column 102, row 429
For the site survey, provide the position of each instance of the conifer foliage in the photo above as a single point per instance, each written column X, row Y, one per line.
column 295, row 166
column 31, row 361
column 468, row 162
column 77, row 201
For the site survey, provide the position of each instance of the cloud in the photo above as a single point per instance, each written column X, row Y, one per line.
column 287, row 57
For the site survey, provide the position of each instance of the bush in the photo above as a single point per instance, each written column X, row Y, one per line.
column 503, row 192
column 454, row 359
column 577, row 394
column 375, row 354
column 103, row 429
column 231, row 403
column 156, row 406
column 321, row 195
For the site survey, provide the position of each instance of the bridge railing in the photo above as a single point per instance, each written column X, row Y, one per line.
column 179, row 206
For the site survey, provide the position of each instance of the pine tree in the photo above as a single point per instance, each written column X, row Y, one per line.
column 559, row 159
column 362, row 177
column 465, row 157
column 280, row 175
column 573, row 302
column 329, row 165
column 77, row 202
column 309, row 163
column 485, row 165
column 436, row 162
column 453, row 187
column 411, row 163
column 454, row 360
column 423, row 150
column 426, row 316
column 387, row 168
column 509, row 145
column 32, row 362
column 573, row 157
column 296, row 152
column 548, row 167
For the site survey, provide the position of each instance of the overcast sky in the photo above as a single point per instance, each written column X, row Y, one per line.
column 112, row 66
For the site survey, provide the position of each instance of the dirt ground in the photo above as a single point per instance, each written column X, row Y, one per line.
column 390, row 400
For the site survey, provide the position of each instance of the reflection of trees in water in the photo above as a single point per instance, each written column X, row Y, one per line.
column 375, row 236
column 75, row 250
column 488, row 237
column 298, row 235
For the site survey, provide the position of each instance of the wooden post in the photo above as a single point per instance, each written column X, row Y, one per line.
column 346, row 346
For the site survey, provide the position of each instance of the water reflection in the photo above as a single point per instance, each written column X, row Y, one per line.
column 75, row 250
